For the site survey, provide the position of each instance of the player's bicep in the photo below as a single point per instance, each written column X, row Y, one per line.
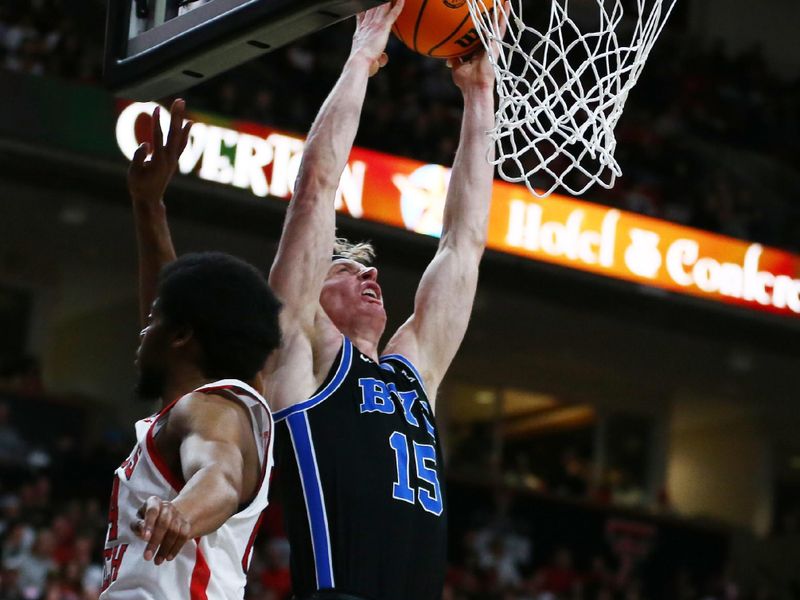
column 213, row 437
column 442, row 308
column 304, row 255
column 199, row 452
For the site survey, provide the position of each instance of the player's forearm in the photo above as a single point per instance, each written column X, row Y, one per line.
column 466, row 212
column 209, row 498
column 445, row 295
column 309, row 231
column 155, row 249
column 331, row 137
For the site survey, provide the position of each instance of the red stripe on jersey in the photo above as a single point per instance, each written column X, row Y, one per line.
column 250, row 542
column 201, row 575
column 158, row 460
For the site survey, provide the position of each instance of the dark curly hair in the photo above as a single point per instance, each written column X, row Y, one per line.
column 229, row 307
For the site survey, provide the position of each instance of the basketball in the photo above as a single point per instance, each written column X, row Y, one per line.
column 438, row 28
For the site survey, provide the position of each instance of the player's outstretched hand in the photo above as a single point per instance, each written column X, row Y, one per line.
column 372, row 33
column 163, row 527
column 148, row 179
column 476, row 69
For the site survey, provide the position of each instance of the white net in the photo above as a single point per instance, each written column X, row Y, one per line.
column 563, row 76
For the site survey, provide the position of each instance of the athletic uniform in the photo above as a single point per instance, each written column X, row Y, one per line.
column 211, row 567
column 360, row 469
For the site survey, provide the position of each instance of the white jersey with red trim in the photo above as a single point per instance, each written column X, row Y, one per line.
column 212, row 567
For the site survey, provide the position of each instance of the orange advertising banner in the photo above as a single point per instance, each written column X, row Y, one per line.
column 560, row 230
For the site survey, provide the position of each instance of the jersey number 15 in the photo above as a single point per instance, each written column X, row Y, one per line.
column 425, row 463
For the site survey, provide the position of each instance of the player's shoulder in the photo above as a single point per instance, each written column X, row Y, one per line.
column 406, row 361
column 203, row 407
column 326, row 344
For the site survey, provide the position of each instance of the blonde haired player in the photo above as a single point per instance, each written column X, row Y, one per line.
column 357, row 445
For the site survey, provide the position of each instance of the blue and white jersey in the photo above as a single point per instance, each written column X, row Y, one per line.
column 359, row 467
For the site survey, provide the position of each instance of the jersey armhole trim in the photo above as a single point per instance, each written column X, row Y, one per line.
column 333, row 384
column 228, row 392
column 158, row 461
column 238, row 384
column 402, row 359
column 250, row 542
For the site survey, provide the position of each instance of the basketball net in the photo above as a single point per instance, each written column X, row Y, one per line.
column 562, row 85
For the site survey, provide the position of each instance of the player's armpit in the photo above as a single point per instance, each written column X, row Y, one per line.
column 304, row 254
column 443, row 303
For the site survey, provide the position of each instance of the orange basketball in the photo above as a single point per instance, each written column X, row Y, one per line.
column 438, row 28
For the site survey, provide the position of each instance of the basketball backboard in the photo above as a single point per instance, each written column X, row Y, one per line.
column 155, row 48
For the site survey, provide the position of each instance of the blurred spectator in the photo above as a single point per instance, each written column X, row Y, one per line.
column 500, row 550
column 9, row 585
column 63, row 540
column 17, row 545
column 13, row 449
column 498, row 560
column 559, row 578
column 35, row 568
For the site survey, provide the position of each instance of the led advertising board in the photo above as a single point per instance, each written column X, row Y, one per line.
column 560, row 230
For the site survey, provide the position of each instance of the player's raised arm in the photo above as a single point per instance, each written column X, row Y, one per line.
column 304, row 253
column 147, row 182
column 443, row 303
column 215, row 462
